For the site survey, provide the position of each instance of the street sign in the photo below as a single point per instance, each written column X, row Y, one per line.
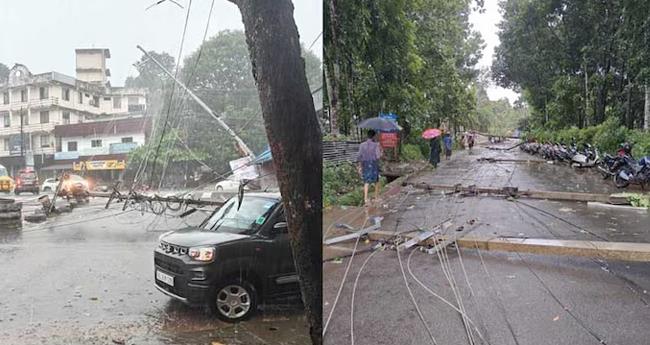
column 242, row 171
column 99, row 165
column 388, row 140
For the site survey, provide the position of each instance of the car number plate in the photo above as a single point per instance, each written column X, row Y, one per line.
column 165, row 278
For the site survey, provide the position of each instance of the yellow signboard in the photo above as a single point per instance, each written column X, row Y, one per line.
column 99, row 165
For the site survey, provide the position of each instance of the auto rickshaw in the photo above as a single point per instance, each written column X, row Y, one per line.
column 7, row 184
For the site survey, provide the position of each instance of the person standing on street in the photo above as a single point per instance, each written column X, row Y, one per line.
column 368, row 165
column 470, row 141
column 447, row 141
column 434, row 155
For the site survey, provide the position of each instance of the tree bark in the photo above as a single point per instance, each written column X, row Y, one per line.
column 294, row 137
column 331, row 69
column 646, row 109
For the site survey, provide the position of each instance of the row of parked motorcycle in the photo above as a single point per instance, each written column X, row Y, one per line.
column 622, row 167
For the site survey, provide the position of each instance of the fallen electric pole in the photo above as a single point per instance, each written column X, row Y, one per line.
column 225, row 126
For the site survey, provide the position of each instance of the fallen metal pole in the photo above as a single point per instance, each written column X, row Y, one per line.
column 515, row 192
column 140, row 197
column 512, row 160
column 620, row 251
column 239, row 141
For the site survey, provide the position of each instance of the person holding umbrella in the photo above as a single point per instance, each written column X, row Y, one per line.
column 370, row 153
column 448, row 142
column 368, row 164
column 433, row 135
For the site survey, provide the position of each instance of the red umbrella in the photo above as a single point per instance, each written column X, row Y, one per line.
column 431, row 133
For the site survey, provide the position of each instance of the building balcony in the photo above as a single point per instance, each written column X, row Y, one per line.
column 32, row 103
column 31, row 128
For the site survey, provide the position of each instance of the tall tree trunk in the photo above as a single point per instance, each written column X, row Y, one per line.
column 294, row 137
column 646, row 109
column 331, row 69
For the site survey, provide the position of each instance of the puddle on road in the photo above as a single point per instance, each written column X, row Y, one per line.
column 180, row 324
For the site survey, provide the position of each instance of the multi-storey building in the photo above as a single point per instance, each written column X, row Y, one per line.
column 33, row 105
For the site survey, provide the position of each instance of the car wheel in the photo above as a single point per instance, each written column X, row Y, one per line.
column 16, row 192
column 219, row 189
column 233, row 301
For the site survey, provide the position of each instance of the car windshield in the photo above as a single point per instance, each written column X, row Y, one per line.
column 251, row 215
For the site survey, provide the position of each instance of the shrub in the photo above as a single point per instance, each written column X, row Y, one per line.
column 411, row 152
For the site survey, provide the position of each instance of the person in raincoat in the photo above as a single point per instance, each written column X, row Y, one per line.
column 448, row 142
column 368, row 164
column 434, row 155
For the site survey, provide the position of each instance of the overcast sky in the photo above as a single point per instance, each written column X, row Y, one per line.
column 44, row 34
column 486, row 24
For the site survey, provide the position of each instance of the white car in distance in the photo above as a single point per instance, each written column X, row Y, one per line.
column 49, row 185
column 227, row 185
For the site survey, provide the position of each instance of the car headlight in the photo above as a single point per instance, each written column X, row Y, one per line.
column 201, row 253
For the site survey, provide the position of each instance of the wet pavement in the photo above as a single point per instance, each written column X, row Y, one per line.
column 509, row 298
column 86, row 277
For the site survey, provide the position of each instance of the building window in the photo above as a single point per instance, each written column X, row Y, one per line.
column 45, row 116
column 45, row 140
column 7, row 120
column 5, row 97
column 43, row 92
column 127, row 140
column 66, row 117
column 25, row 118
column 117, row 102
column 108, row 99
column 6, row 144
column 96, row 143
column 96, row 101
column 81, row 98
column 72, row 146
column 23, row 95
column 65, row 94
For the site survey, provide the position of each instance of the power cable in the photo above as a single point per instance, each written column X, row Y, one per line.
column 171, row 97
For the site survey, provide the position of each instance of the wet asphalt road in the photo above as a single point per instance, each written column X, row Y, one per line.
column 509, row 298
column 87, row 278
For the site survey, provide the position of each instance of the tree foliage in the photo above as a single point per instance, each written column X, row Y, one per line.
column 415, row 58
column 576, row 62
column 4, row 72
column 219, row 73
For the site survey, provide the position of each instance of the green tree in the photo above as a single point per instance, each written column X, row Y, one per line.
column 4, row 72
column 412, row 57
column 576, row 62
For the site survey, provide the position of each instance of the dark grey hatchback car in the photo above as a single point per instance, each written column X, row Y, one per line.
column 238, row 258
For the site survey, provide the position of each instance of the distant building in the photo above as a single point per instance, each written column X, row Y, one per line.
column 33, row 105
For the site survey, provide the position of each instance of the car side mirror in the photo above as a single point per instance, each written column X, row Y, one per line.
column 280, row 227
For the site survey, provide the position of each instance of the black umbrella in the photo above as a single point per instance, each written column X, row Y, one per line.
column 379, row 124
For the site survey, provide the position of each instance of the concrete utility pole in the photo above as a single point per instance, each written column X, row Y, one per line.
column 646, row 111
column 239, row 141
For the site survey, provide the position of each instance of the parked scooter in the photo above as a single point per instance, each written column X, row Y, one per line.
column 610, row 165
column 633, row 172
column 589, row 157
